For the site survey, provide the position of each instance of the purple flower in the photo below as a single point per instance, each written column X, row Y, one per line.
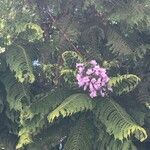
column 86, row 79
column 93, row 78
column 80, row 83
column 91, row 87
column 78, row 77
column 93, row 94
column 85, row 86
column 80, row 69
column 98, row 70
column 79, row 65
column 89, row 71
column 97, row 85
column 93, row 62
column 82, row 80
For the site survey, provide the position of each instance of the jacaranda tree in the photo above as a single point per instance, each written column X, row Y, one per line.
column 74, row 74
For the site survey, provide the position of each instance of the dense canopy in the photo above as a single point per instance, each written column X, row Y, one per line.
column 74, row 74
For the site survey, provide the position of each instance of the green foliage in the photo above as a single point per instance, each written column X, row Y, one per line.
column 30, row 31
column 7, row 141
column 97, row 3
column 71, row 105
column 44, row 103
column 117, row 43
column 17, row 17
column 124, row 83
column 33, row 117
column 40, row 44
column 30, row 128
column 3, row 65
column 138, row 115
column 2, row 98
column 50, row 71
column 109, row 143
column 105, row 141
column 20, row 62
column 134, row 14
column 24, row 140
column 1, row 104
column 71, row 57
column 143, row 95
column 17, row 93
column 117, row 121
column 80, row 136
column 49, row 137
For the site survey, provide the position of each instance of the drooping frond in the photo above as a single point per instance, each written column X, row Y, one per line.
column 71, row 57
column 143, row 95
column 30, row 31
column 71, row 105
column 117, row 43
column 40, row 44
column 138, row 115
column 80, row 137
column 44, row 103
column 117, row 121
column 33, row 118
column 50, row 137
column 20, row 62
column 39, row 133
column 125, row 47
column 28, row 129
column 17, row 93
column 24, row 140
column 124, row 83
column 107, row 142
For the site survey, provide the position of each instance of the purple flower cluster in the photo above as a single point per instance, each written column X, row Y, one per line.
column 92, row 77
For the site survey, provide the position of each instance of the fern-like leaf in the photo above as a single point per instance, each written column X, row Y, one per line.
column 80, row 137
column 107, row 142
column 73, row 104
column 50, row 137
column 17, row 93
column 44, row 103
column 20, row 62
column 124, row 83
column 133, row 13
column 24, row 140
column 28, row 129
column 118, row 122
column 33, row 117
column 117, row 43
column 143, row 95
